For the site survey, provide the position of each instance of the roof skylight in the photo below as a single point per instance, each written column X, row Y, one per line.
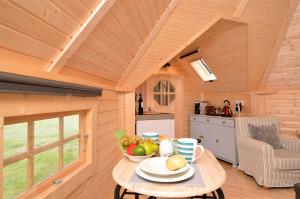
column 203, row 70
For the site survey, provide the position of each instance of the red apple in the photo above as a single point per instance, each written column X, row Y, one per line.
column 130, row 149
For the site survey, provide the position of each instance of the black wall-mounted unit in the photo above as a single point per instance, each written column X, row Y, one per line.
column 12, row 83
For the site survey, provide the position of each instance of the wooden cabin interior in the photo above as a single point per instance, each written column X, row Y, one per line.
column 73, row 73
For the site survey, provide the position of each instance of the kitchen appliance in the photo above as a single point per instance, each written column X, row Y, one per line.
column 197, row 108
column 200, row 107
column 238, row 107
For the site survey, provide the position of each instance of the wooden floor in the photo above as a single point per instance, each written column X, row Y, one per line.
column 239, row 185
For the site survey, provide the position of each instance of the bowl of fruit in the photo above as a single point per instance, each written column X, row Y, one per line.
column 136, row 148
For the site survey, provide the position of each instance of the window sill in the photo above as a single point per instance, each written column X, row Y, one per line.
column 69, row 184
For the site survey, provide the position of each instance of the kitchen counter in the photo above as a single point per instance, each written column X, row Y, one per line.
column 154, row 116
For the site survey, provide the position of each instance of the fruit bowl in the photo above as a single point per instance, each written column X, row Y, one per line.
column 137, row 158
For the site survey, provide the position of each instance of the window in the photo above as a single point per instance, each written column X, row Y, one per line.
column 38, row 148
column 164, row 93
column 203, row 70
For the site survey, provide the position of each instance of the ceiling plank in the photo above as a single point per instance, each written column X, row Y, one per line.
column 148, row 41
column 80, row 36
column 241, row 8
column 278, row 44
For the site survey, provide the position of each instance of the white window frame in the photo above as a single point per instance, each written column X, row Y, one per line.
column 203, row 70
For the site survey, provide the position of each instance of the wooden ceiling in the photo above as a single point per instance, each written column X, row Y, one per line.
column 34, row 32
column 224, row 47
column 189, row 19
column 286, row 71
column 117, row 44
column 113, row 43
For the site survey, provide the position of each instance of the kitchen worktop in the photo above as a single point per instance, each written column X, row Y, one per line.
column 154, row 116
column 213, row 116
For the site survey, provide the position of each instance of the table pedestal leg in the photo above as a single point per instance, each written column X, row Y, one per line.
column 117, row 192
column 218, row 194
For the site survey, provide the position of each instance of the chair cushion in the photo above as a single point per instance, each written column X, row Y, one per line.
column 286, row 159
column 266, row 133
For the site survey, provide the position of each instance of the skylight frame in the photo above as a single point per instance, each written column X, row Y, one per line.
column 203, row 70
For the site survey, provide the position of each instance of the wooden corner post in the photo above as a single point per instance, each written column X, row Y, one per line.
column 1, row 157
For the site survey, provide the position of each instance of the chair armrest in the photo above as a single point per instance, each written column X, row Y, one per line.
column 255, row 157
column 255, row 144
column 292, row 144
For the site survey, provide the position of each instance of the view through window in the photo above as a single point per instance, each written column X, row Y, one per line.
column 37, row 147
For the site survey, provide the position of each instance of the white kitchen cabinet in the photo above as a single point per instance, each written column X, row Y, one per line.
column 161, row 126
column 217, row 134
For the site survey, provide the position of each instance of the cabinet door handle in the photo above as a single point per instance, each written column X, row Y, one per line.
column 194, row 118
column 223, row 122
column 207, row 120
column 217, row 140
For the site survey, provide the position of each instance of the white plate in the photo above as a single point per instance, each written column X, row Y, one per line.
column 157, row 166
column 173, row 178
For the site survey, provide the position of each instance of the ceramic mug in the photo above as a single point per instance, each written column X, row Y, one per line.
column 187, row 147
column 152, row 135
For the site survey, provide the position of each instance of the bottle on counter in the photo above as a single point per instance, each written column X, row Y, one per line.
column 136, row 104
column 141, row 105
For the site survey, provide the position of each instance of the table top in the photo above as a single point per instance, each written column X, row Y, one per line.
column 212, row 173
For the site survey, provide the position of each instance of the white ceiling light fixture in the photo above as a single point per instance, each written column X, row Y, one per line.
column 203, row 70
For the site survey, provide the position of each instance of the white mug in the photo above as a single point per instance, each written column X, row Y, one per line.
column 187, row 147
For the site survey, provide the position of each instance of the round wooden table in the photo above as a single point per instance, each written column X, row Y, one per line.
column 213, row 176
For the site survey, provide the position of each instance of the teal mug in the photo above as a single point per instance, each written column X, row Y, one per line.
column 188, row 147
column 151, row 135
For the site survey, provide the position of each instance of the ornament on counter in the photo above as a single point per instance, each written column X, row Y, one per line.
column 227, row 112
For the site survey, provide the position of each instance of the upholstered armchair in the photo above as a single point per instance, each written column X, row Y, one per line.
column 270, row 167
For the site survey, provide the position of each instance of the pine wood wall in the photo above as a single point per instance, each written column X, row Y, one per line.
column 284, row 105
column 217, row 99
column 101, row 184
column 110, row 116
column 189, row 91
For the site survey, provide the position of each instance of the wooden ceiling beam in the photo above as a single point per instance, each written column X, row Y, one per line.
column 278, row 43
column 241, row 8
column 86, row 28
column 163, row 19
